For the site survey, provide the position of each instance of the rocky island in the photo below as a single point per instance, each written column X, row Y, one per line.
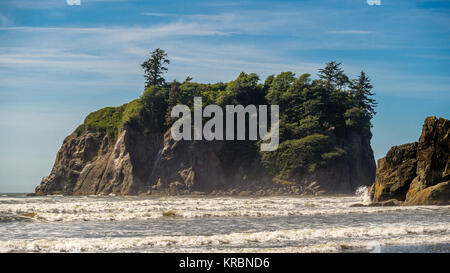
column 129, row 150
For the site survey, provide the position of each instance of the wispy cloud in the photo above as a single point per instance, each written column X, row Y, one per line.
column 33, row 4
column 157, row 14
column 110, row 0
column 131, row 45
column 351, row 32
column 53, row 4
column 174, row 29
column 204, row 44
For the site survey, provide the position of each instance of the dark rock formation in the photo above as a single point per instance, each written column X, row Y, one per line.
column 91, row 163
column 187, row 166
column 417, row 173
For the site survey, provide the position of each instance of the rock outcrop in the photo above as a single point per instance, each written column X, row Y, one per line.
column 417, row 173
column 91, row 162
column 395, row 173
column 355, row 170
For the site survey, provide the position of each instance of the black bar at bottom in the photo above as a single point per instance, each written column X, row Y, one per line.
column 227, row 262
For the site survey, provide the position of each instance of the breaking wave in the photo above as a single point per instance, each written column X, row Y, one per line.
column 66, row 209
column 319, row 240
column 363, row 193
column 218, row 224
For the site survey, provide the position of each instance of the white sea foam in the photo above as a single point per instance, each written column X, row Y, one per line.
column 363, row 193
column 367, row 245
column 133, row 208
column 333, row 239
column 90, row 209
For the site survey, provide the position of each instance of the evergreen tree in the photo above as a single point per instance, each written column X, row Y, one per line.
column 361, row 89
column 154, row 68
column 245, row 89
column 268, row 82
column 333, row 76
column 278, row 85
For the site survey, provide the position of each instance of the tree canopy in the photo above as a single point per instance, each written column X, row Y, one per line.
column 315, row 114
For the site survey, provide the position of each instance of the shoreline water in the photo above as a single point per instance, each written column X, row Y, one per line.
column 218, row 224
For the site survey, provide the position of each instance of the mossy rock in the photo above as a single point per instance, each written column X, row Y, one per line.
column 29, row 214
column 169, row 213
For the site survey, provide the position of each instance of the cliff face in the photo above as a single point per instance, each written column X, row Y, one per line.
column 355, row 170
column 417, row 173
column 91, row 163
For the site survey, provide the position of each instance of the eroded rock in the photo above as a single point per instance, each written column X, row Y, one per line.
column 417, row 173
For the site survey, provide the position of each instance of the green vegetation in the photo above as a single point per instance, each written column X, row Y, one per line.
column 316, row 115
column 111, row 119
column 300, row 156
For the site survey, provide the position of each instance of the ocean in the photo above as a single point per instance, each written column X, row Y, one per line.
column 218, row 224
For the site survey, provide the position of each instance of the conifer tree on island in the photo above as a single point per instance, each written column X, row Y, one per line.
column 361, row 88
column 154, row 68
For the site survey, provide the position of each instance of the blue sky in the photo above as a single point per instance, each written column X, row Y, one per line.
column 59, row 62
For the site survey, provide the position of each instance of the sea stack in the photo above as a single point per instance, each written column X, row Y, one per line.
column 417, row 173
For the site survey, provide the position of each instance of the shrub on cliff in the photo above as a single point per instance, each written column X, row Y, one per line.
column 301, row 156
column 111, row 119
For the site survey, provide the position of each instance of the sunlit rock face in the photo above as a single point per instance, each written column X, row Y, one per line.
column 417, row 173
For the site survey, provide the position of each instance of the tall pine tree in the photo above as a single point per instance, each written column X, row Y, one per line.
column 333, row 75
column 154, row 68
column 361, row 89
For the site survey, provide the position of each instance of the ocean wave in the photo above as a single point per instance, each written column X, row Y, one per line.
column 93, row 209
column 337, row 239
column 368, row 245
column 15, row 217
